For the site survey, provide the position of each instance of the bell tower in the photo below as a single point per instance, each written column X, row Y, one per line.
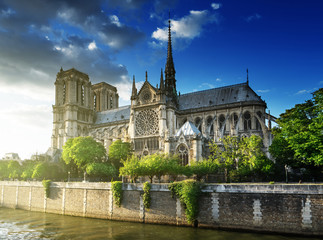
column 73, row 109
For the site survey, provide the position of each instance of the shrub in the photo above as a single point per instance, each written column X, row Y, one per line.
column 146, row 196
column 116, row 187
column 46, row 184
column 188, row 192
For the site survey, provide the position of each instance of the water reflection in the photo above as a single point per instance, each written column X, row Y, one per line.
column 20, row 224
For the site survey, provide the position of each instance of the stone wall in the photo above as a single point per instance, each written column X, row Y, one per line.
column 293, row 209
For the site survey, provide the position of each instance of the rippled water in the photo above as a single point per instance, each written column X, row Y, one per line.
column 20, row 224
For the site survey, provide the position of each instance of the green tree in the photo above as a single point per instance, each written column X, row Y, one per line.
column 154, row 165
column 241, row 159
column 48, row 170
column 4, row 169
column 101, row 170
column 301, row 129
column 132, row 168
column 28, row 169
column 118, row 152
column 80, row 151
column 203, row 168
column 14, row 169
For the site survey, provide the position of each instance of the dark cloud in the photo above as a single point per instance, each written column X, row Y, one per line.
column 37, row 37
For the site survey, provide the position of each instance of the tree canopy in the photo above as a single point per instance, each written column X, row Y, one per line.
column 82, row 151
column 299, row 138
column 241, row 159
column 118, row 152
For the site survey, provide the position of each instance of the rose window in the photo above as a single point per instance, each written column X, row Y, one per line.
column 147, row 123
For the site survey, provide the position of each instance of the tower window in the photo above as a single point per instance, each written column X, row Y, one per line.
column 111, row 102
column 64, row 92
column 82, row 94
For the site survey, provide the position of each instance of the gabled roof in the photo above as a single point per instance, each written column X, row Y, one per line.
column 218, row 96
column 113, row 115
column 188, row 129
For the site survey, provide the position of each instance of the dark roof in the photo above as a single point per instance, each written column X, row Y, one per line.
column 218, row 96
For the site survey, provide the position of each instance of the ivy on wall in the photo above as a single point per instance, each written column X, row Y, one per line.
column 116, row 187
column 146, row 195
column 188, row 192
column 46, row 184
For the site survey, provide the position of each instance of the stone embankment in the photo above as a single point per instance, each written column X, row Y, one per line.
column 279, row 208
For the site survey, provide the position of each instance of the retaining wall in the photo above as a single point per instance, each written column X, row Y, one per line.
column 293, row 209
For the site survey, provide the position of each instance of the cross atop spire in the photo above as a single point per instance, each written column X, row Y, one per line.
column 247, row 76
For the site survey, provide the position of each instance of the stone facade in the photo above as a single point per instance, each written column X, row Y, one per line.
column 158, row 119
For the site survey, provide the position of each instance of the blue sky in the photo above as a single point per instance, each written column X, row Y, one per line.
column 214, row 42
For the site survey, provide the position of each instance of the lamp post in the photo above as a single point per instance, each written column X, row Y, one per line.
column 68, row 176
column 84, row 177
column 286, row 172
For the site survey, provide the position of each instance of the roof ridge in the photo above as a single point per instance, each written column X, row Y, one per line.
column 238, row 84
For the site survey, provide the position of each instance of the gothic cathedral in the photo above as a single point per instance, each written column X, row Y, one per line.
column 158, row 119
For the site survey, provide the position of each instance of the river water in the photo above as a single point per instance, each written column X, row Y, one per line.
column 20, row 224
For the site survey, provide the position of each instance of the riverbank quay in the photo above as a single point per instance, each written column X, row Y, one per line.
column 275, row 208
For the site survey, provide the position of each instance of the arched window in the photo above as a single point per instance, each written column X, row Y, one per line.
column 198, row 123
column 94, row 101
column 209, row 121
column 64, row 92
column 82, row 94
column 235, row 119
column 182, row 152
column 247, row 121
column 111, row 102
column 221, row 121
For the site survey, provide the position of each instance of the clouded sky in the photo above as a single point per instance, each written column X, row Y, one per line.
column 214, row 42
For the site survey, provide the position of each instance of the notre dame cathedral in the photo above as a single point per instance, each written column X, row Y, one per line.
column 158, row 119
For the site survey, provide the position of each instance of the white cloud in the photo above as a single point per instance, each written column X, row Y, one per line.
column 304, row 91
column 253, row 17
column 115, row 20
column 218, row 79
column 92, row 46
column 215, row 6
column 263, row 91
column 188, row 27
column 125, row 88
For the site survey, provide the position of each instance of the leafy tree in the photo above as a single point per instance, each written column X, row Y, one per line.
column 48, row 170
column 132, row 167
column 241, row 158
column 203, row 168
column 119, row 151
column 101, row 170
column 4, row 169
column 154, row 165
column 80, row 151
column 28, row 169
column 301, row 129
column 14, row 169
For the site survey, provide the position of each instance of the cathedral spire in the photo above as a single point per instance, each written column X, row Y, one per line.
column 146, row 76
column 170, row 81
column 161, row 84
column 169, row 69
column 134, row 89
